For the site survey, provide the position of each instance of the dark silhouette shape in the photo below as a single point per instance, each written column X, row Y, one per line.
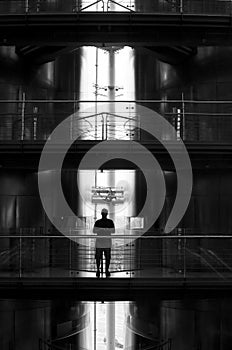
column 103, row 228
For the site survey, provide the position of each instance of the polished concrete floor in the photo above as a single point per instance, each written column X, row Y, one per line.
column 153, row 273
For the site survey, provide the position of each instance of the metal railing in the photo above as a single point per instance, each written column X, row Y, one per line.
column 176, row 256
column 193, row 121
column 163, row 345
column 222, row 7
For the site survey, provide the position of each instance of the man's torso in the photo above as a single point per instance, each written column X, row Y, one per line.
column 103, row 227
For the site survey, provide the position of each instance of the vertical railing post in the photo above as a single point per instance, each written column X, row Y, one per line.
column 35, row 120
column 37, row 5
column 139, row 128
column 20, row 256
column 102, row 122
column 139, row 265
column 26, row 6
column 179, row 252
column 181, row 6
column 77, row 6
column 23, row 116
column 71, row 128
column 70, row 254
column 184, row 257
column 106, row 128
column 183, row 117
column 34, row 128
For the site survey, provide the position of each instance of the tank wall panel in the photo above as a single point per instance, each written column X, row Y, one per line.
column 197, row 324
column 30, row 324
column 23, row 324
column 209, row 205
column 205, row 76
column 53, row 80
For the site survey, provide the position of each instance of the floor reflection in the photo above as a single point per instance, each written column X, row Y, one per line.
column 147, row 273
column 143, row 324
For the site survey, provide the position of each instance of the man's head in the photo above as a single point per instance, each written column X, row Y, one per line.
column 104, row 212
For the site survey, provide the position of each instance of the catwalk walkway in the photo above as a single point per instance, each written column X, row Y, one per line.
column 126, row 28
column 114, row 288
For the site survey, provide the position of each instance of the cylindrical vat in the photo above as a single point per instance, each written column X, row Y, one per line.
column 199, row 324
column 204, row 76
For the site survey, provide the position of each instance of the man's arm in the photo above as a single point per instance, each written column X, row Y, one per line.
column 112, row 229
column 96, row 228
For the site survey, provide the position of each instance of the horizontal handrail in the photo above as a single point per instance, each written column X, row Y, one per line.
column 116, row 101
column 173, row 255
column 189, row 119
column 71, row 6
column 179, row 236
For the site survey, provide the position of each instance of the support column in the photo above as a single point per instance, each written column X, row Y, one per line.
column 112, row 119
column 111, row 87
column 110, row 326
column 112, row 74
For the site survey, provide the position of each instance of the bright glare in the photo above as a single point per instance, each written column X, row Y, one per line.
column 107, row 73
column 121, row 314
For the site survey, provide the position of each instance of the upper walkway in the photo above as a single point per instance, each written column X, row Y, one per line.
column 193, row 121
column 204, row 126
column 133, row 6
column 181, row 22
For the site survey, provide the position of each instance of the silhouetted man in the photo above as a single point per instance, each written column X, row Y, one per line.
column 103, row 227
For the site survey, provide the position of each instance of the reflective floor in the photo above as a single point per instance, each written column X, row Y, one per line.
column 152, row 273
column 63, row 324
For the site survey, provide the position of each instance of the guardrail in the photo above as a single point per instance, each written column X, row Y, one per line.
column 163, row 345
column 176, row 256
column 156, row 6
column 193, row 121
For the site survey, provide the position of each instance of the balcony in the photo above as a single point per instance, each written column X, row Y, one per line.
column 75, row 6
column 39, row 265
column 170, row 22
column 204, row 126
column 32, row 121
